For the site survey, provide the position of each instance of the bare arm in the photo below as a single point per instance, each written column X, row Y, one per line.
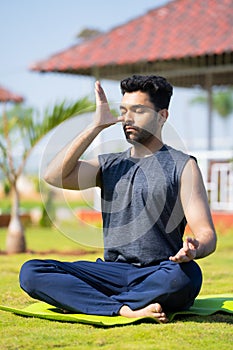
column 197, row 213
column 66, row 170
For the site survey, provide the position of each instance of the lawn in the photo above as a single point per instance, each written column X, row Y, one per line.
column 212, row 332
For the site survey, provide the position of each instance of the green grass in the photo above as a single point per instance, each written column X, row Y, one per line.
column 28, row 204
column 213, row 332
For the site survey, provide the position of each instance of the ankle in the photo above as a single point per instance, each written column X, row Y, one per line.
column 126, row 311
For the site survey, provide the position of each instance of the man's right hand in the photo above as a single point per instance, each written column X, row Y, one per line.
column 67, row 170
column 103, row 116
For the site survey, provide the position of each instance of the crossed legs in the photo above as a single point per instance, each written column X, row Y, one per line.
column 105, row 288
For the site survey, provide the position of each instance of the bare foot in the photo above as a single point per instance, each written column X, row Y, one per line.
column 65, row 311
column 152, row 310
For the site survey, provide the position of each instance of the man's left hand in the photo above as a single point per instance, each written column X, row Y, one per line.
column 188, row 252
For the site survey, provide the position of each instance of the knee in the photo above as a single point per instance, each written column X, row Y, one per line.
column 27, row 275
column 189, row 287
column 194, row 274
column 183, row 277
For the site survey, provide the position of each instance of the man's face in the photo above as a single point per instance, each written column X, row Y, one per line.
column 140, row 120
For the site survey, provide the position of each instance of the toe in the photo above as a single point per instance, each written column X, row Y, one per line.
column 158, row 308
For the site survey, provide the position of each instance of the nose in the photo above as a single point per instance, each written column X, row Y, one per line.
column 128, row 116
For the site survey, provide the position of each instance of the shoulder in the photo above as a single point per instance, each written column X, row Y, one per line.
column 192, row 172
column 178, row 158
column 109, row 158
column 178, row 154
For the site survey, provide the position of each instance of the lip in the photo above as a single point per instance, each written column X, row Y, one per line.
column 129, row 128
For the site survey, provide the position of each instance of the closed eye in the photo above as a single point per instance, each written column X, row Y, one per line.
column 123, row 110
column 140, row 109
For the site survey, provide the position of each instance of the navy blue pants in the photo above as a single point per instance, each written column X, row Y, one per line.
column 102, row 288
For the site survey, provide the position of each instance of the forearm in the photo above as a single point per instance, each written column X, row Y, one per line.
column 67, row 159
column 197, row 211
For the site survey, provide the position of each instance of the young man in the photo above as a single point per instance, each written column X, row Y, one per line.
column 148, row 193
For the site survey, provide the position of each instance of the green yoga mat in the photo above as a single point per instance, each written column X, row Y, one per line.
column 203, row 306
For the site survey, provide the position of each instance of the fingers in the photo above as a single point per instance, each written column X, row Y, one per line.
column 186, row 245
column 105, row 117
column 176, row 258
column 100, row 94
column 187, row 252
column 179, row 258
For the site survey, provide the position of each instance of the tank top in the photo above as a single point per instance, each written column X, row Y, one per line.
column 143, row 218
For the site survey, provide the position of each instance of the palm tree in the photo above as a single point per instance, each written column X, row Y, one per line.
column 21, row 129
column 222, row 103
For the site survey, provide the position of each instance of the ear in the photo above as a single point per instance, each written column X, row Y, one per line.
column 163, row 115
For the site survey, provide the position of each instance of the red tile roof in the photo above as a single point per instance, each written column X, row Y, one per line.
column 182, row 28
column 8, row 96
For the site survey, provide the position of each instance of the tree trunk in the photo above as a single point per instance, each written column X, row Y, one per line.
column 15, row 241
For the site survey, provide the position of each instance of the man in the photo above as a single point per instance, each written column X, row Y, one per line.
column 148, row 193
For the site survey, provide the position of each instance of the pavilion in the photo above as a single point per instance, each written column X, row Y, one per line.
column 187, row 41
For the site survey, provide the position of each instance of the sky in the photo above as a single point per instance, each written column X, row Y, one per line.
column 34, row 30
column 31, row 31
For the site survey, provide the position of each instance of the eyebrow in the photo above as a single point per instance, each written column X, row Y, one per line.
column 134, row 106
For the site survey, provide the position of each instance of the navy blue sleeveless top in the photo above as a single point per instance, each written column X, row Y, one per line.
column 143, row 219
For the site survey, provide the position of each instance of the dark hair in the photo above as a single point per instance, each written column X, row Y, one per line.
column 158, row 88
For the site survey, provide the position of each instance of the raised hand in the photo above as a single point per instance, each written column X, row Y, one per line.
column 103, row 116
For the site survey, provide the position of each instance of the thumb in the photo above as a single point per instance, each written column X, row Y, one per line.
column 193, row 241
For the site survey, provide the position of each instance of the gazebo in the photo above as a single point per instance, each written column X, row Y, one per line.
column 8, row 96
column 187, row 41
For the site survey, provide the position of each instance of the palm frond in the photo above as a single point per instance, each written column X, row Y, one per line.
column 26, row 127
column 199, row 100
column 222, row 102
column 54, row 116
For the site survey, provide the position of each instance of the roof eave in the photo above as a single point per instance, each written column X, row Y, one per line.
column 178, row 70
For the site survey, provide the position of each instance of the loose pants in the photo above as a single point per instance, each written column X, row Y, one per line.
column 102, row 288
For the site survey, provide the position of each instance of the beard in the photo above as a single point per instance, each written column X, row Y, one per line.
column 139, row 135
